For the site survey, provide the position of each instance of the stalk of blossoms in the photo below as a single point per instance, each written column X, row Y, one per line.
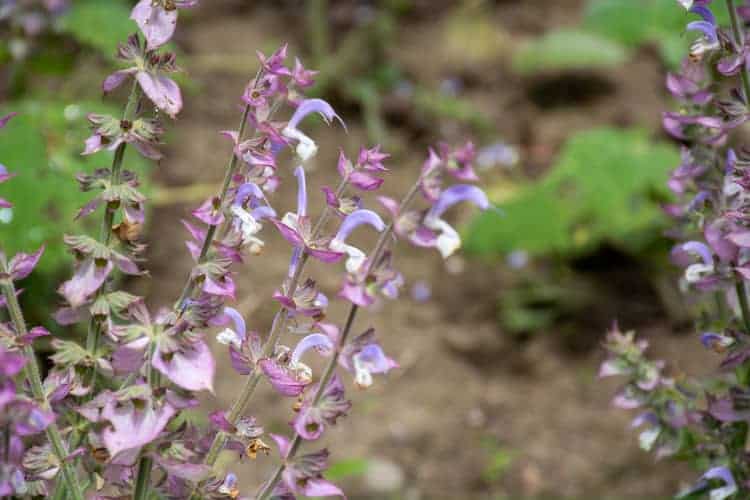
column 33, row 377
column 711, row 184
column 739, row 39
column 105, row 233
column 363, row 355
column 230, row 171
column 240, row 404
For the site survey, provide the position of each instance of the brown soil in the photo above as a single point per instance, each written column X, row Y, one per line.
column 466, row 393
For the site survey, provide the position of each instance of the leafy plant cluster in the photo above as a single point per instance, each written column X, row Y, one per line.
column 109, row 418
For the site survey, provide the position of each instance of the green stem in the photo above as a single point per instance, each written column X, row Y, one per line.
column 34, row 378
column 739, row 286
column 330, row 368
column 211, row 232
column 143, row 480
column 105, row 233
column 243, row 399
column 739, row 38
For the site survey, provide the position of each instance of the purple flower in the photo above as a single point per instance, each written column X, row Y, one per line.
column 133, row 426
column 88, row 278
column 150, row 70
column 364, row 357
column 311, row 420
column 707, row 483
column 22, row 264
column 303, row 475
column 306, row 147
column 302, row 77
column 234, row 337
column 191, row 366
column 317, row 341
column 297, row 229
column 436, row 232
column 157, row 19
column 285, row 380
column 306, row 300
column 356, row 257
column 210, row 212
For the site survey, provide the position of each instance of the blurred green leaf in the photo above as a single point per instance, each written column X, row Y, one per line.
column 99, row 24
column 352, row 467
column 605, row 187
column 568, row 50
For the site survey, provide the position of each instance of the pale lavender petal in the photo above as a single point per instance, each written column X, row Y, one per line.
column 115, row 80
column 133, row 428
column 289, row 234
column 22, row 264
column 282, row 379
column 317, row 341
column 695, row 248
column 88, row 278
column 456, row 194
column 162, row 91
column 191, row 368
column 318, row 487
column 156, row 23
column 283, row 443
column 309, row 106
column 357, row 218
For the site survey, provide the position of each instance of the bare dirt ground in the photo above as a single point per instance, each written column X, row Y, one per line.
column 471, row 413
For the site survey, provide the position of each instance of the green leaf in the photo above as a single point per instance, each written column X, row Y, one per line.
column 352, row 467
column 568, row 50
column 101, row 25
column 605, row 187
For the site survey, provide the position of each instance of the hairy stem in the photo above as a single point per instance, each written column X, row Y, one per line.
column 143, row 478
column 739, row 39
column 330, row 368
column 741, row 289
column 211, row 232
column 34, row 379
column 105, row 232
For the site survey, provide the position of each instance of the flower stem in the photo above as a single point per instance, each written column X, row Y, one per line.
column 739, row 38
column 142, row 481
column 330, row 368
column 243, row 399
column 34, row 378
column 211, row 232
column 105, row 232
column 741, row 289
column 143, row 478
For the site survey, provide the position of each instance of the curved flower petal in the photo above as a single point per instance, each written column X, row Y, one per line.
column 456, row 194
column 318, row 341
column 162, row 90
column 357, row 218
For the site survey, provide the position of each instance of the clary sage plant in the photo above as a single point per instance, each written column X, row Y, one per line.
column 704, row 421
column 105, row 420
